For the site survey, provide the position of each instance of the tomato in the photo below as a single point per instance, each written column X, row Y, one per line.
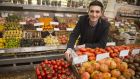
column 83, row 49
column 39, row 77
column 91, row 58
column 59, row 67
column 46, row 61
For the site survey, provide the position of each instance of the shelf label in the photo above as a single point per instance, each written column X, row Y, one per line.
column 46, row 14
column 54, row 23
column 59, row 15
column 102, row 56
column 68, row 15
column 135, row 51
column 79, row 15
column 22, row 23
column 38, row 24
column 80, row 59
column 124, row 53
column 4, row 15
column 37, row 16
column 111, row 44
column 69, row 29
column 39, row 29
column 56, row 29
column 117, row 24
column 2, row 51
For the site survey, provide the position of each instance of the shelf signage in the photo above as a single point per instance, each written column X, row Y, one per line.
column 2, row 51
column 46, row 14
column 102, row 56
column 68, row 15
column 54, row 23
column 22, row 23
column 38, row 24
column 111, row 44
column 4, row 15
column 135, row 51
column 80, row 59
column 56, row 29
column 39, row 29
column 124, row 53
column 59, row 15
column 69, row 29
column 37, row 16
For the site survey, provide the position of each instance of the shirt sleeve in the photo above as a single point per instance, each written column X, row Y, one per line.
column 74, row 35
column 102, row 42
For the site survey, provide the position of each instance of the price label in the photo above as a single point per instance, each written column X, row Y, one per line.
column 4, row 15
column 117, row 24
column 39, row 29
column 38, row 24
column 54, row 23
column 135, row 51
column 111, row 44
column 22, row 23
column 69, row 29
column 102, row 56
column 56, row 29
column 80, row 59
column 37, row 16
column 46, row 14
column 124, row 53
column 2, row 51
column 59, row 15
column 68, row 15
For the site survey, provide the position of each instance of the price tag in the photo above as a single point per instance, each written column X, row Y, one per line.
column 22, row 23
column 46, row 14
column 39, row 29
column 56, row 29
column 117, row 24
column 102, row 56
column 69, row 29
column 4, row 15
column 37, row 16
column 59, row 15
column 2, row 51
column 80, row 59
column 135, row 51
column 124, row 53
column 38, row 24
column 111, row 44
column 54, row 23
column 68, row 15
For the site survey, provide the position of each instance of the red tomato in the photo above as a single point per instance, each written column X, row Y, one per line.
column 83, row 49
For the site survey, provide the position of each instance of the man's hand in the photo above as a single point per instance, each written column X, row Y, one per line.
column 68, row 54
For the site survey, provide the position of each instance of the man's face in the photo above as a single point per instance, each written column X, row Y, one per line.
column 94, row 13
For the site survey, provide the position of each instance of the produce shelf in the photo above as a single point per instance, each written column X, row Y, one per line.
column 43, row 8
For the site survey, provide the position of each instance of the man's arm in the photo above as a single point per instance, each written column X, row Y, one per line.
column 74, row 35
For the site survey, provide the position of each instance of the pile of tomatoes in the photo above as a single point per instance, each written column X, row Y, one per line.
column 54, row 69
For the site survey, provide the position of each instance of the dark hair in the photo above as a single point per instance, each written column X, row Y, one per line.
column 96, row 3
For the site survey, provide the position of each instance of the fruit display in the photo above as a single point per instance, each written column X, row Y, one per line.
column 12, row 43
column 54, row 69
column 90, row 52
column 12, row 26
column 134, row 63
column 63, row 39
column 28, row 27
column 2, row 43
column 31, row 42
column 2, row 21
column 13, row 33
column 51, row 40
column 115, row 50
column 106, row 69
column 62, row 26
